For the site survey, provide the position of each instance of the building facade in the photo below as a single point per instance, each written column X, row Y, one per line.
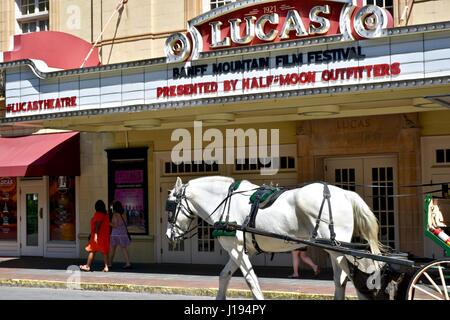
column 356, row 111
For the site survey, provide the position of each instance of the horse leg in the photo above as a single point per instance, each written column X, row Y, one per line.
column 250, row 276
column 341, row 270
column 343, row 265
column 236, row 250
column 338, row 276
column 225, row 277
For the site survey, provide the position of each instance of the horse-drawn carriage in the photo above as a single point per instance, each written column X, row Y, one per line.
column 250, row 219
column 432, row 280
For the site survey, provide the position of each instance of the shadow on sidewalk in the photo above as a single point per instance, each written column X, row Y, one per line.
column 161, row 268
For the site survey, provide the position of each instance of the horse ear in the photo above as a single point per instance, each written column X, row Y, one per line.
column 178, row 184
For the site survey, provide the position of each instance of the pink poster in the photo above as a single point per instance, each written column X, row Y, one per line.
column 132, row 200
column 129, row 176
column 8, row 208
column 127, row 183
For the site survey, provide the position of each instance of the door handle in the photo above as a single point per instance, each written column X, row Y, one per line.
column 41, row 213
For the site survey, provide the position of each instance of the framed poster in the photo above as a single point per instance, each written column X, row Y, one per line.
column 62, row 208
column 127, row 183
column 8, row 209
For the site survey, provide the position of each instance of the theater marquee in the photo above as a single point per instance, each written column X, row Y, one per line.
column 291, row 49
column 250, row 22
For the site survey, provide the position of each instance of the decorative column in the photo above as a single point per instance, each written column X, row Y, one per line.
column 54, row 15
column 192, row 8
column 409, row 173
column 305, row 160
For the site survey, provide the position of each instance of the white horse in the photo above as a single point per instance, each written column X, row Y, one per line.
column 294, row 214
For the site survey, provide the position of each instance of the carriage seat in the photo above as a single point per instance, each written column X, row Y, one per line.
column 266, row 196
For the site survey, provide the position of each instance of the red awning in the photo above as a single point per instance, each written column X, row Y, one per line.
column 55, row 154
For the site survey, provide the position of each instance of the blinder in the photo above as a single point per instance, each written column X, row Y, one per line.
column 174, row 207
column 171, row 208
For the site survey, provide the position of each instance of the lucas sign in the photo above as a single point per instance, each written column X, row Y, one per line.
column 250, row 23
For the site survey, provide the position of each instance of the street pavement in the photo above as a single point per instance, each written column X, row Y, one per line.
column 174, row 279
column 25, row 293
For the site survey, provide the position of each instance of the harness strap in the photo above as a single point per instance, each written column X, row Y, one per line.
column 250, row 221
column 326, row 197
column 232, row 188
column 253, row 212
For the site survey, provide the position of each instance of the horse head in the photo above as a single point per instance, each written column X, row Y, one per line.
column 180, row 212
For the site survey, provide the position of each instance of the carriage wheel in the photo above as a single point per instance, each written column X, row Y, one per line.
column 431, row 282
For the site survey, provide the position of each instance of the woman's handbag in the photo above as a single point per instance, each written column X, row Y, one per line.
column 125, row 224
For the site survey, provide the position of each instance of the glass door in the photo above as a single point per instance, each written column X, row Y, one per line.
column 374, row 179
column 33, row 211
column 381, row 174
column 177, row 252
column 205, row 248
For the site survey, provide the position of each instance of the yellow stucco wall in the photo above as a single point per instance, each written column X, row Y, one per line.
column 131, row 32
column 94, row 185
column 162, row 138
column 435, row 123
column 429, row 11
column 7, row 23
column 137, row 32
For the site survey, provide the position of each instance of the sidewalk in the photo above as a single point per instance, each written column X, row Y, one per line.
column 164, row 278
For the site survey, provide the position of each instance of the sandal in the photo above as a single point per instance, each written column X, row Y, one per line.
column 105, row 270
column 293, row 276
column 317, row 272
column 127, row 267
column 85, row 268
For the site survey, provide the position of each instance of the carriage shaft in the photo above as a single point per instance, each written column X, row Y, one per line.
column 314, row 243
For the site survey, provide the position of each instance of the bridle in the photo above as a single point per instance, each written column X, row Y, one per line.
column 173, row 208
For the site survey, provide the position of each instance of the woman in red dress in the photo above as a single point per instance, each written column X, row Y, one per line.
column 99, row 237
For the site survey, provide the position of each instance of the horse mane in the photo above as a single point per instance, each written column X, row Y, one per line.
column 212, row 179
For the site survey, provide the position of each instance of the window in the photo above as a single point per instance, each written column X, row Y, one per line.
column 213, row 4
column 190, row 167
column 43, row 5
column 205, row 241
column 345, row 178
column 387, row 4
column 127, row 183
column 383, row 203
column 32, row 15
column 247, row 165
column 43, row 25
column 8, row 209
column 27, row 7
column 62, row 212
column 442, row 156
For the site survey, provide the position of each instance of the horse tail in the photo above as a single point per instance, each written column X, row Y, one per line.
column 366, row 224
